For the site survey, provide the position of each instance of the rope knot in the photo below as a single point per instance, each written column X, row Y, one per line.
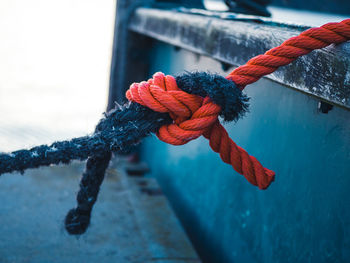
column 192, row 115
column 195, row 115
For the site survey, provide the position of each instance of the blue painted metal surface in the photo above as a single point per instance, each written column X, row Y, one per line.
column 305, row 214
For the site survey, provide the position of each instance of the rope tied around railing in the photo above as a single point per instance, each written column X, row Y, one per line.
column 179, row 110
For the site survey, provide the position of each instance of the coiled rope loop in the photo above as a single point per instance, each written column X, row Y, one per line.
column 194, row 116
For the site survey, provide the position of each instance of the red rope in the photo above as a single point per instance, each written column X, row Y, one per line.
column 195, row 116
column 290, row 50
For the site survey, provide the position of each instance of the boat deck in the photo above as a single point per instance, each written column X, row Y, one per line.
column 131, row 222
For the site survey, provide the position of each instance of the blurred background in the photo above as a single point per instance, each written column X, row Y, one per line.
column 54, row 68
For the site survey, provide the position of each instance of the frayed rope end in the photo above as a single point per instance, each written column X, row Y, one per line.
column 76, row 223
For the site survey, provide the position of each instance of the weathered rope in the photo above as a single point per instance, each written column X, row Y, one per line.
column 179, row 110
column 78, row 219
column 118, row 131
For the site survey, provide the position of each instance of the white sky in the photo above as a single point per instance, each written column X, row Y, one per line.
column 54, row 68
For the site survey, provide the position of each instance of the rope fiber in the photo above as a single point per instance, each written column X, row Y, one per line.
column 178, row 109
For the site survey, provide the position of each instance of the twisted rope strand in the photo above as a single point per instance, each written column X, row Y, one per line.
column 290, row 50
column 118, row 131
